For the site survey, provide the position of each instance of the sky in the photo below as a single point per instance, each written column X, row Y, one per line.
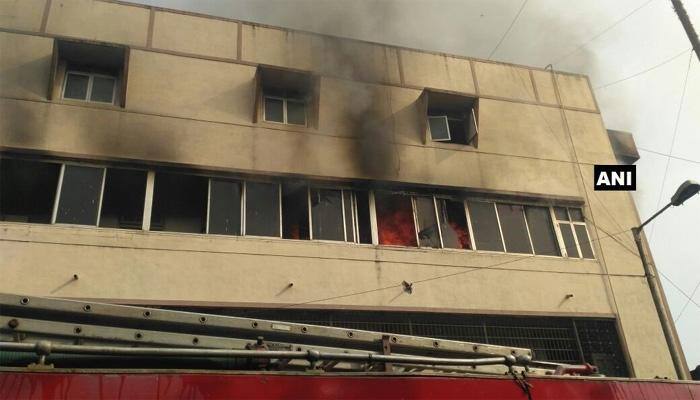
column 634, row 51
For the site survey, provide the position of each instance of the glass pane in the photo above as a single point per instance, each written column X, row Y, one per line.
column 76, row 87
column 569, row 243
column 123, row 199
column 102, row 89
column 542, row 233
column 225, row 207
column 584, row 241
column 327, row 214
column 395, row 219
column 296, row 112
column 560, row 213
column 485, row 226
column 179, row 203
column 428, row 234
column 438, row 128
column 262, row 211
column 349, row 219
column 80, row 195
column 576, row 214
column 295, row 211
column 27, row 190
column 458, row 131
column 514, row 229
column 453, row 223
column 274, row 110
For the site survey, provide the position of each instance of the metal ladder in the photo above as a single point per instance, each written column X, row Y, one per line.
column 47, row 326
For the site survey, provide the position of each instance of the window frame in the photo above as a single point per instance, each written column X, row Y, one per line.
column 447, row 125
column 284, row 109
column 353, row 209
column 61, row 174
column 88, row 95
column 244, row 201
column 572, row 223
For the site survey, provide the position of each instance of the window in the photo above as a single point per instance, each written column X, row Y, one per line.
column 327, row 214
column 544, row 240
column 572, row 226
column 89, row 87
column 428, row 231
column 27, row 190
column 487, row 232
column 453, row 224
column 364, row 226
column 123, row 200
column 286, row 97
column 89, row 72
column 179, row 203
column 80, row 195
column 514, row 228
column 262, row 209
column 395, row 223
column 224, row 217
column 451, row 118
column 285, row 110
column 295, row 210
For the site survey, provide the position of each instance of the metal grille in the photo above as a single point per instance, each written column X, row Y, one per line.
column 556, row 339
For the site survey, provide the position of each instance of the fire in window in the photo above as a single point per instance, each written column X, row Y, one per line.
column 451, row 118
column 286, row 97
column 395, row 222
column 89, row 72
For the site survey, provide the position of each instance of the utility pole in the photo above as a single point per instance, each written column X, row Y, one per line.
column 687, row 25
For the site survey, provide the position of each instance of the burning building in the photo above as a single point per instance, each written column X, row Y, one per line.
column 157, row 157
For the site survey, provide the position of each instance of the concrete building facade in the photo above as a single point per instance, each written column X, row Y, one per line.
column 173, row 159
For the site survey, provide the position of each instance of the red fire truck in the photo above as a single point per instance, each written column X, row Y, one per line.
column 64, row 349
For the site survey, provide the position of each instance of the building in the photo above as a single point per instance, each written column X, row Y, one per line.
column 157, row 157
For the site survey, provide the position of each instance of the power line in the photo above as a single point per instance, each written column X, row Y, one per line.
column 669, row 156
column 522, row 6
column 666, row 61
column 687, row 302
column 604, row 31
column 673, row 140
column 475, row 268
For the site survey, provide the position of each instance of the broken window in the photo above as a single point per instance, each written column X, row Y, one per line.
column 487, row 233
column 573, row 231
column 262, row 209
column 179, row 203
column 453, row 224
column 89, row 72
column 27, row 190
column 295, row 210
column 224, row 207
column 287, row 97
column 451, row 118
column 327, row 218
column 514, row 228
column 395, row 223
column 80, row 195
column 428, row 231
column 123, row 199
column 544, row 240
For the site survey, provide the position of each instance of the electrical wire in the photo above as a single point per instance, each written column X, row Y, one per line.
column 604, row 31
column 669, row 156
column 673, row 140
column 666, row 61
column 480, row 268
column 522, row 6
column 686, row 303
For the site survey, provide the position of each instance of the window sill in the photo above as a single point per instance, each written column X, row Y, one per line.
column 384, row 247
column 449, row 146
column 89, row 104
